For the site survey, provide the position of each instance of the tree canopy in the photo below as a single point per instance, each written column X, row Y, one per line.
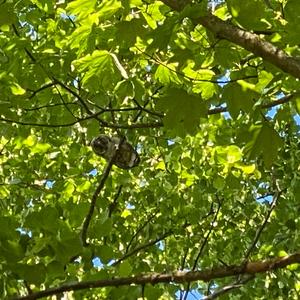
column 207, row 92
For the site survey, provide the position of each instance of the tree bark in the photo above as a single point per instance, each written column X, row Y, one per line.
column 248, row 40
column 249, row 268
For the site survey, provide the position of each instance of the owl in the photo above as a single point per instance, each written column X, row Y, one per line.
column 126, row 156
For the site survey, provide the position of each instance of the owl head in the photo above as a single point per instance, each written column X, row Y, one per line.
column 101, row 145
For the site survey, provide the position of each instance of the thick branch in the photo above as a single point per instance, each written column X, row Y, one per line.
column 253, row 43
column 248, row 40
column 175, row 277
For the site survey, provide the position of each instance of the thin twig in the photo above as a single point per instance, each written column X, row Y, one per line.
column 142, row 247
column 105, row 125
column 113, row 205
column 49, row 106
column 226, row 289
column 159, row 62
column 43, row 87
column 140, row 229
column 80, row 99
column 142, row 108
column 261, row 228
column 282, row 100
column 205, row 241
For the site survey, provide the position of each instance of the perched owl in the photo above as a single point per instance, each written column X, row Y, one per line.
column 126, row 156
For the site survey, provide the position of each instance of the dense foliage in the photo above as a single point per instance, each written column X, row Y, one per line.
column 216, row 127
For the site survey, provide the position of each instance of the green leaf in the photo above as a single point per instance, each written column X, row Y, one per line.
column 108, row 8
column 105, row 253
column 292, row 17
column 206, row 89
column 17, row 89
column 124, row 89
column 264, row 79
column 234, row 154
column 34, row 274
column 55, row 270
column 167, row 74
column 249, row 14
column 219, row 183
column 102, row 228
column 153, row 14
column 129, row 30
column 183, row 111
column 7, row 14
column 125, row 269
column 228, row 155
column 265, row 141
column 79, row 38
column 98, row 66
column 8, row 227
column 11, row 251
column 81, row 8
column 194, row 11
column 238, row 99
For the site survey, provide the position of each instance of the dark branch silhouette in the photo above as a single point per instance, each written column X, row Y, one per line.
column 204, row 243
column 106, row 125
column 99, row 188
column 261, row 228
column 142, row 247
column 43, row 87
column 157, row 124
column 226, row 289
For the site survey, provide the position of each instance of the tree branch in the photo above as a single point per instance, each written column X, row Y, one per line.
column 76, row 95
column 282, row 100
column 99, row 188
column 211, row 111
column 251, row 268
column 205, row 241
column 142, row 247
column 88, row 218
column 253, row 43
column 226, row 289
column 195, row 79
column 248, row 40
column 261, row 228
column 43, row 87
column 106, row 125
